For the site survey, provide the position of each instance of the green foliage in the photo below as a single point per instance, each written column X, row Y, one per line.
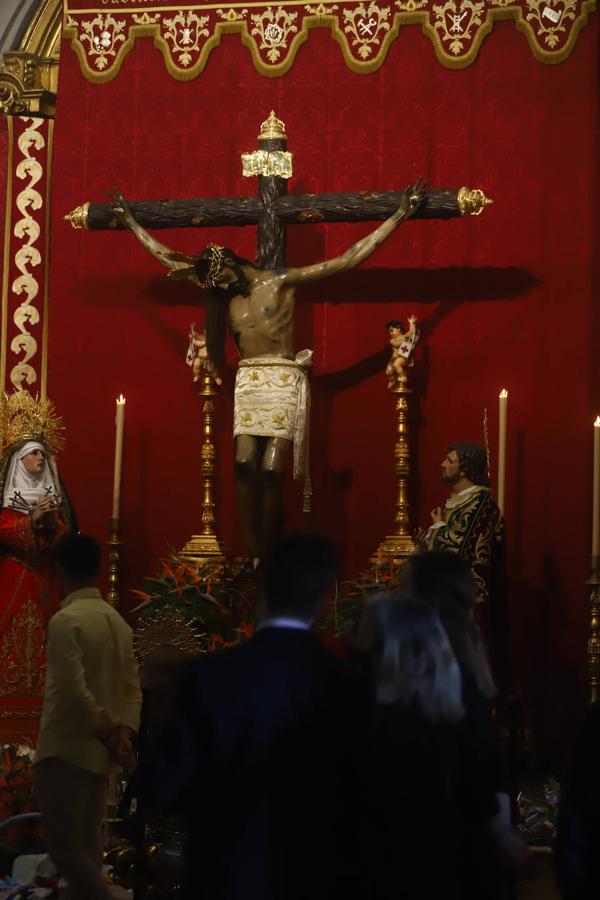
column 345, row 609
column 203, row 594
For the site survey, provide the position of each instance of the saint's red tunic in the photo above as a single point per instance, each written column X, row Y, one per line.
column 29, row 595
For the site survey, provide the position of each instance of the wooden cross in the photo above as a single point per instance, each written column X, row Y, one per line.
column 273, row 209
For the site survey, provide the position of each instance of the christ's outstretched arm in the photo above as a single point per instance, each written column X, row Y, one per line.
column 357, row 253
column 171, row 259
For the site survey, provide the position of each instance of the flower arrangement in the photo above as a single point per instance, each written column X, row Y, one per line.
column 226, row 614
column 345, row 609
column 17, row 797
column 537, row 818
column 203, row 594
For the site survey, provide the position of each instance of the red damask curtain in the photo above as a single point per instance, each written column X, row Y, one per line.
column 505, row 300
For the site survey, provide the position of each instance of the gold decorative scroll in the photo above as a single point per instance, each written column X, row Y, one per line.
column 103, row 32
column 27, row 258
column 25, row 277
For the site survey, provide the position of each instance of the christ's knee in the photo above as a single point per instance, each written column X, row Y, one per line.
column 245, row 468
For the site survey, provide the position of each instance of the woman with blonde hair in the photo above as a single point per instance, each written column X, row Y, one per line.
column 419, row 780
column 444, row 582
column 415, row 664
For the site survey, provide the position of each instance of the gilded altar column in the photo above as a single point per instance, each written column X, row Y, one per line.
column 114, row 558
column 205, row 548
column 593, row 644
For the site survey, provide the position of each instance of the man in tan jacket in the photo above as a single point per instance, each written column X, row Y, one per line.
column 91, row 713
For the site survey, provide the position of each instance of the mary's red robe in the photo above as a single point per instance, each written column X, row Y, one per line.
column 29, row 595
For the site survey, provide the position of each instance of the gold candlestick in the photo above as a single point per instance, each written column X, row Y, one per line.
column 593, row 644
column 399, row 545
column 113, row 563
column 205, row 547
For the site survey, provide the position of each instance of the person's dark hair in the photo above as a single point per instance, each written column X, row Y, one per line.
column 301, row 569
column 395, row 323
column 439, row 574
column 473, row 462
column 217, row 299
column 78, row 555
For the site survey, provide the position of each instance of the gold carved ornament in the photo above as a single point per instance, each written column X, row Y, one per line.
column 78, row 216
column 27, row 418
column 269, row 162
column 272, row 129
column 166, row 628
column 29, row 75
column 472, row 202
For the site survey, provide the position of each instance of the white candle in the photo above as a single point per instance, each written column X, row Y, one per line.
column 596, row 491
column 502, row 410
column 119, row 422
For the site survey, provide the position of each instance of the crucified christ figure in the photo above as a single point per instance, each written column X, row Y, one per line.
column 271, row 391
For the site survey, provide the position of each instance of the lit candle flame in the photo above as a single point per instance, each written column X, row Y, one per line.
column 121, row 399
column 597, row 422
column 504, row 393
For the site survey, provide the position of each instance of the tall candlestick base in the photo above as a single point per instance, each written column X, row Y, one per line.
column 114, row 559
column 397, row 547
column 593, row 644
column 206, row 548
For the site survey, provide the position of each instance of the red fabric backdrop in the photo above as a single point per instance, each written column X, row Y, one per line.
column 505, row 300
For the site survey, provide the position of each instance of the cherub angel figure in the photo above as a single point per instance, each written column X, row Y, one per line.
column 403, row 345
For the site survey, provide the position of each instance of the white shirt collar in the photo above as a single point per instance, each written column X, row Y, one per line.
column 87, row 593
column 455, row 499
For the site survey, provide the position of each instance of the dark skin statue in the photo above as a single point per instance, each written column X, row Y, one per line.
column 262, row 324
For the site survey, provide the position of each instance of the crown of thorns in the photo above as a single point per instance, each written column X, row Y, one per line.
column 216, row 260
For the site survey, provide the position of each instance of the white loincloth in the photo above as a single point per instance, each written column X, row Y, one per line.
column 272, row 399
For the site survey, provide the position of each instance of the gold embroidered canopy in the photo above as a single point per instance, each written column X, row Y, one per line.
column 102, row 32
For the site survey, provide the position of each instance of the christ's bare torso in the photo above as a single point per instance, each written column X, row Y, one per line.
column 262, row 323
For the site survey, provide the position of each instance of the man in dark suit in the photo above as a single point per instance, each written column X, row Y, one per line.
column 264, row 750
column 578, row 838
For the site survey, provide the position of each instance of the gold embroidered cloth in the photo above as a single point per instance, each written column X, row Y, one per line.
column 272, row 399
column 103, row 32
column 473, row 527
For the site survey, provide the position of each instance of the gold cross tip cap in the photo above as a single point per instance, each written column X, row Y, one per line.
column 78, row 217
column 272, row 129
column 472, row 202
